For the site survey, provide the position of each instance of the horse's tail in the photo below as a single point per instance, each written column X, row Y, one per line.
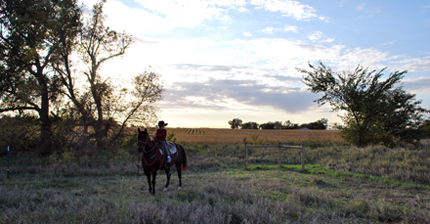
column 184, row 160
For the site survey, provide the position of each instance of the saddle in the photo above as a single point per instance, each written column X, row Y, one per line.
column 171, row 147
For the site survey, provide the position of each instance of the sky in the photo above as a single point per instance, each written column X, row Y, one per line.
column 227, row 59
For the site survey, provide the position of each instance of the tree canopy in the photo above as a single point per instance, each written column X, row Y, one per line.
column 235, row 123
column 377, row 111
column 38, row 39
column 32, row 37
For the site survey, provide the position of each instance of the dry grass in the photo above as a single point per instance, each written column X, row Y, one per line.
column 342, row 185
column 211, row 135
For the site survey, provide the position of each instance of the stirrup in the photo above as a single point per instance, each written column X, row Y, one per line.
column 169, row 159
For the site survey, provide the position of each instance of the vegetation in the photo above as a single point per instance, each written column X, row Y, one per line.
column 342, row 185
column 237, row 123
column 377, row 111
column 39, row 74
column 32, row 37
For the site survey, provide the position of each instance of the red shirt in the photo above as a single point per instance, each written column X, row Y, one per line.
column 161, row 134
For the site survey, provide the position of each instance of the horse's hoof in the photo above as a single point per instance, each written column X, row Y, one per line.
column 179, row 188
column 165, row 189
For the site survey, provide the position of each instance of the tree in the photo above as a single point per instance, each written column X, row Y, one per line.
column 272, row 125
column 317, row 125
column 250, row 125
column 236, row 123
column 31, row 39
column 376, row 111
column 290, row 125
column 105, row 105
column 97, row 45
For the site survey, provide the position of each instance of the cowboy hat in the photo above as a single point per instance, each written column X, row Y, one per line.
column 161, row 123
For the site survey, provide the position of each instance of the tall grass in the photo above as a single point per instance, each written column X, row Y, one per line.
column 346, row 185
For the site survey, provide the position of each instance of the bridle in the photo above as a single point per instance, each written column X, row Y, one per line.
column 144, row 151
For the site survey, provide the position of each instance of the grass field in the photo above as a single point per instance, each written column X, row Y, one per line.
column 341, row 184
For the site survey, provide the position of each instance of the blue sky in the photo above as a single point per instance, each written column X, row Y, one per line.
column 228, row 59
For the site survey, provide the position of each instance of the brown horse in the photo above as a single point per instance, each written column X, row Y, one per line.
column 152, row 160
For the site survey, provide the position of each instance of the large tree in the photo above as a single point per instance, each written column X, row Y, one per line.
column 97, row 45
column 236, row 123
column 376, row 111
column 101, row 103
column 32, row 37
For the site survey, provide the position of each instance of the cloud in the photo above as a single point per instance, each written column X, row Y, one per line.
column 225, row 94
column 288, row 8
column 192, row 12
column 268, row 30
column 206, row 68
column 419, row 85
column 315, row 36
column 294, row 29
column 247, row 34
column 242, row 9
column 287, row 28
column 414, row 64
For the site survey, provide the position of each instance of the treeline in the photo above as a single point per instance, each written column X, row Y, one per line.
column 237, row 123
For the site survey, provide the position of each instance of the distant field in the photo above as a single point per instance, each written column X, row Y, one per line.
column 212, row 135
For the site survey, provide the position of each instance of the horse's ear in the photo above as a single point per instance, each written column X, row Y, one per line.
column 146, row 131
column 138, row 130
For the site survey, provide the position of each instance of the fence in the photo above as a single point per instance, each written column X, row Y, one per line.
column 15, row 162
column 280, row 146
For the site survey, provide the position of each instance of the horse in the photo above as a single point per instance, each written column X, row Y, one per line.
column 152, row 160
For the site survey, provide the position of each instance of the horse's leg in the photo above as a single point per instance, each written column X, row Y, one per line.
column 168, row 174
column 154, row 174
column 148, row 176
column 178, row 169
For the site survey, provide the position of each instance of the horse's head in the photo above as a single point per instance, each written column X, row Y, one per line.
column 142, row 139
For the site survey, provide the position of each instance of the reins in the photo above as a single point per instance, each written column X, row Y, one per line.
column 156, row 151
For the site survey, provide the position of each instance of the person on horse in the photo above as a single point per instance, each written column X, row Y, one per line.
column 161, row 139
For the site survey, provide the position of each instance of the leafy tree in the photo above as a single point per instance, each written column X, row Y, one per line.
column 425, row 129
column 318, row 125
column 97, row 45
column 376, row 111
column 236, row 123
column 271, row 125
column 290, row 125
column 105, row 105
column 250, row 125
column 32, row 33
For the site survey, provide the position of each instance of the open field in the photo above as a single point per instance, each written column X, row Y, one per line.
column 341, row 185
column 212, row 135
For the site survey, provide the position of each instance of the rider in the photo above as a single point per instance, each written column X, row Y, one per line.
column 161, row 139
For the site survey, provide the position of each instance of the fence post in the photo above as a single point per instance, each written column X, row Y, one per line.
column 138, row 163
column 303, row 157
column 279, row 158
column 246, row 156
column 8, row 162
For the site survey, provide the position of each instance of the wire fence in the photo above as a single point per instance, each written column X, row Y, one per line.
column 18, row 162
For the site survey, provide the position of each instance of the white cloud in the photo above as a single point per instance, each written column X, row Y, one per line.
column 242, row 9
column 315, row 36
column 268, row 30
column 328, row 40
column 294, row 29
column 287, row 28
column 192, row 12
column 414, row 64
column 247, row 34
column 289, row 8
